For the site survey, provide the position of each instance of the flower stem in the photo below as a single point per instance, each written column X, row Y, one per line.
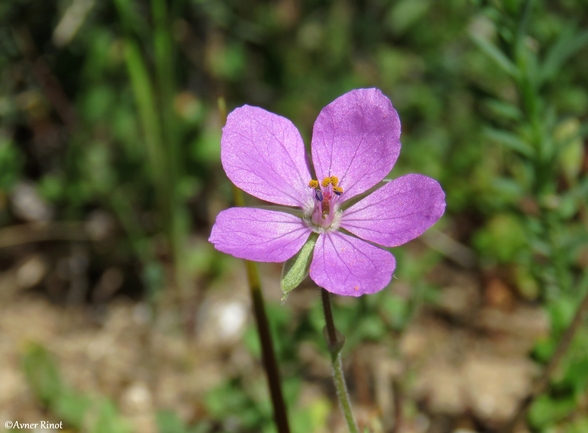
column 267, row 349
column 335, row 342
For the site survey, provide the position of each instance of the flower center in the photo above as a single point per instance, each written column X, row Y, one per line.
column 324, row 214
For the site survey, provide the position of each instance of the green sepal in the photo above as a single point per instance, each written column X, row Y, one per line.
column 296, row 268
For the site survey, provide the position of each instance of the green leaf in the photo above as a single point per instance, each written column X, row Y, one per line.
column 502, row 239
column 42, row 373
column 546, row 411
column 565, row 47
column 495, row 54
column 503, row 109
column 145, row 101
column 407, row 13
column 169, row 422
column 11, row 163
column 511, row 141
column 131, row 18
column 571, row 148
column 72, row 407
column 561, row 313
column 109, row 420
column 296, row 269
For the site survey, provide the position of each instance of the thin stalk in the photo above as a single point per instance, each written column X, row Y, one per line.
column 334, row 344
column 165, row 79
column 554, row 362
column 396, row 388
column 146, row 102
column 154, row 100
column 268, row 356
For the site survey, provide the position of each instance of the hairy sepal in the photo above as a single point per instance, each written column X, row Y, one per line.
column 296, row 269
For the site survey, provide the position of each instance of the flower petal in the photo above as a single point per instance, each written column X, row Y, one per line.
column 356, row 138
column 258, row 234
column 348, row 266
column 398, row 212
column 263, row 154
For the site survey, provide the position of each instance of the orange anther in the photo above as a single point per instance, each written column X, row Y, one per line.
column 334, row 180
column 326, row 182
column 313, row 183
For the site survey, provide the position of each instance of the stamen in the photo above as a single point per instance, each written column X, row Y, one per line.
column 318, row 194
column 313, row 184
column 326, row 182
column 334, row 180
column 337, row 190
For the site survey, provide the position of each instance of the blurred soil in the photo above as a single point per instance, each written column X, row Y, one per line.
column 464, row 361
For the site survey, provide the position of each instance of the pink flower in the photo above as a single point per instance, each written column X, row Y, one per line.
column 355, row 143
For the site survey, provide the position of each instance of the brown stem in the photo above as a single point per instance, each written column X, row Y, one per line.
column 545, row 378
column 267, row 350
column 329, row 322
column 397, row 406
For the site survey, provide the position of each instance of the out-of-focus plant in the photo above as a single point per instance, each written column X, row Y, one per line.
column 154, row 98
column 73, row 408
column 92, row 140
column 542, row 229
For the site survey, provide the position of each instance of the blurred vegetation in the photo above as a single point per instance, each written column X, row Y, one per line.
column 109, row 121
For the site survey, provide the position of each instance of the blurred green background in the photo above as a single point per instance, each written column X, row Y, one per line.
column 110, row 180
